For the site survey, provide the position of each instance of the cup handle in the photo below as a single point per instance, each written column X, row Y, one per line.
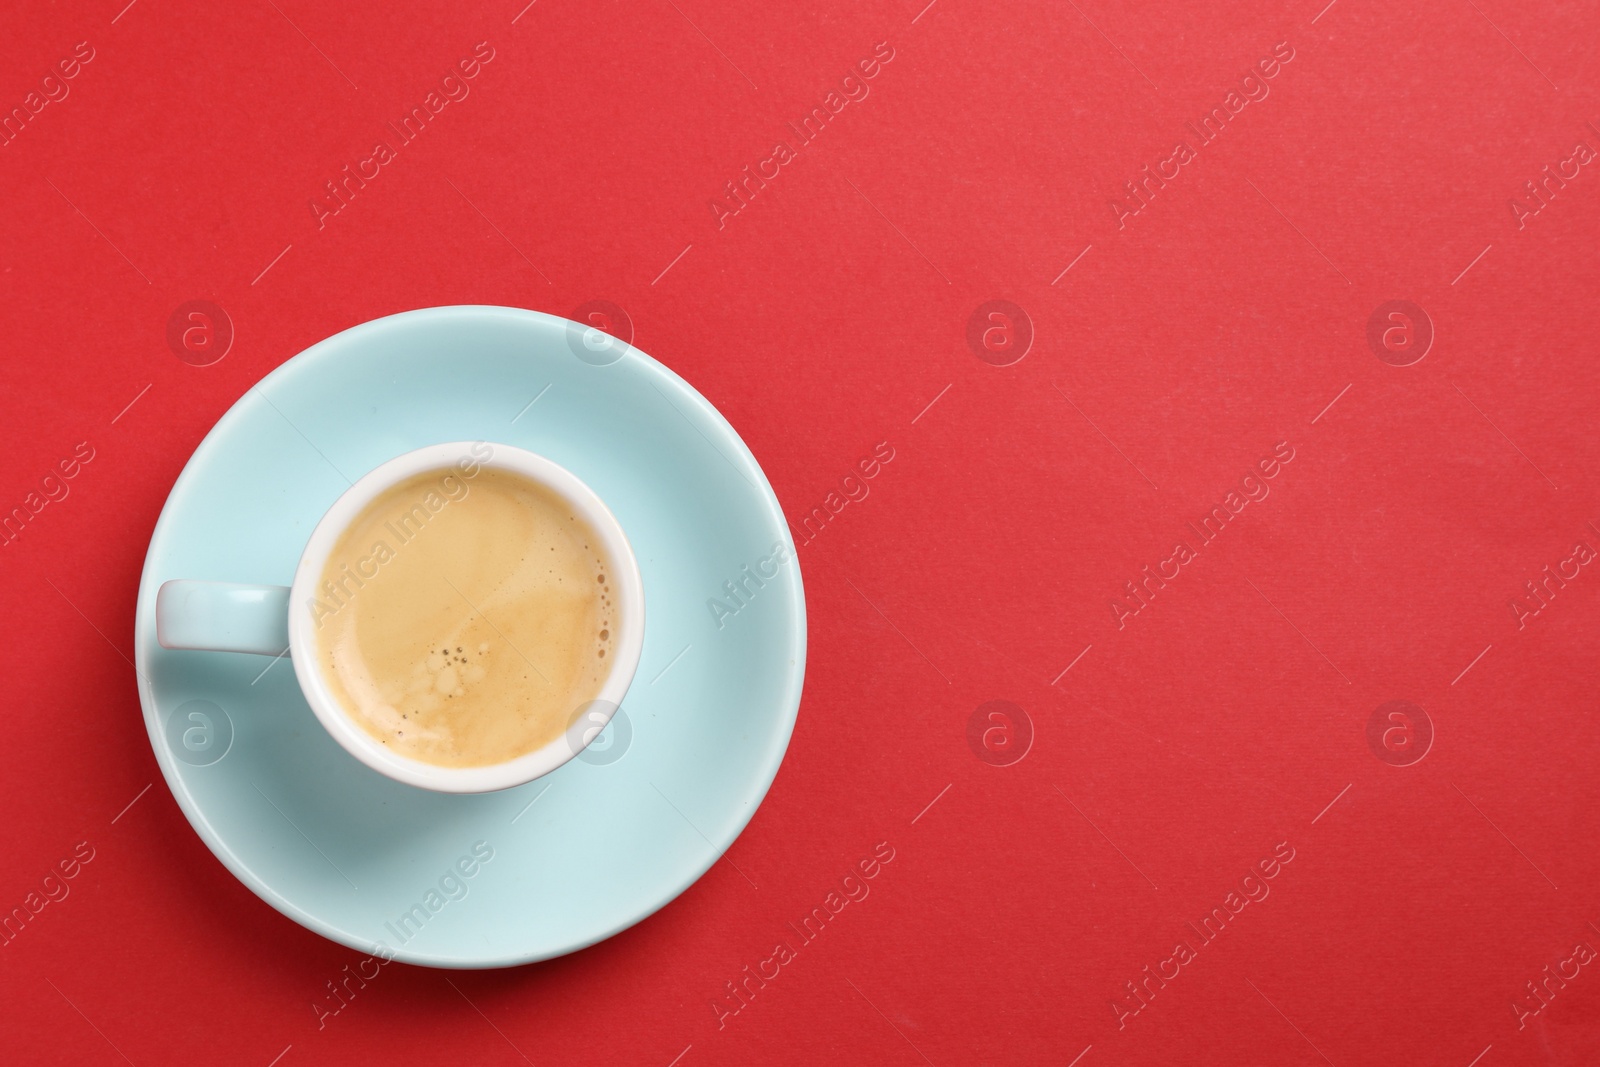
column 223, row 617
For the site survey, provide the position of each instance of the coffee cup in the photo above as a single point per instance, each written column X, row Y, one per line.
column 471, row 704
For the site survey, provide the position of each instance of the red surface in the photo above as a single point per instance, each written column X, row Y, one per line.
column 1222, row 719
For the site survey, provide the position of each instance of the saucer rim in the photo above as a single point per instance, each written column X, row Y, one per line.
column 787, row 707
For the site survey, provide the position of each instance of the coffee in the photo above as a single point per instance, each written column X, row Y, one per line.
column 464, row 620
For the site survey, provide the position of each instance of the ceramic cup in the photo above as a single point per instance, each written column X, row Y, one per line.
column 270, row 620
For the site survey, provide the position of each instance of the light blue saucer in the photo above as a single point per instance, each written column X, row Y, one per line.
column 585, row 851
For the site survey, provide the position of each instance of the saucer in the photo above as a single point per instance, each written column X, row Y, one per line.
column 495, row 879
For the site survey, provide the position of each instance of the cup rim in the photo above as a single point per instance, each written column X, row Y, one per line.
column 583, row 728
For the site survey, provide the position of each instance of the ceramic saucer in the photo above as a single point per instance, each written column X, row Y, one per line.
column 543, row 869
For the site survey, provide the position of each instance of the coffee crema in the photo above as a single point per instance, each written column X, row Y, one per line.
column 465, row 619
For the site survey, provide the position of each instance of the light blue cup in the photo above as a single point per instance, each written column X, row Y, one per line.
column 270, row 620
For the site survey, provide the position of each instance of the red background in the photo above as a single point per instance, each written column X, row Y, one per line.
column 824, row 318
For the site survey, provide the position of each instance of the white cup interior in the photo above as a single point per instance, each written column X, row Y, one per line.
column 460, row 456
